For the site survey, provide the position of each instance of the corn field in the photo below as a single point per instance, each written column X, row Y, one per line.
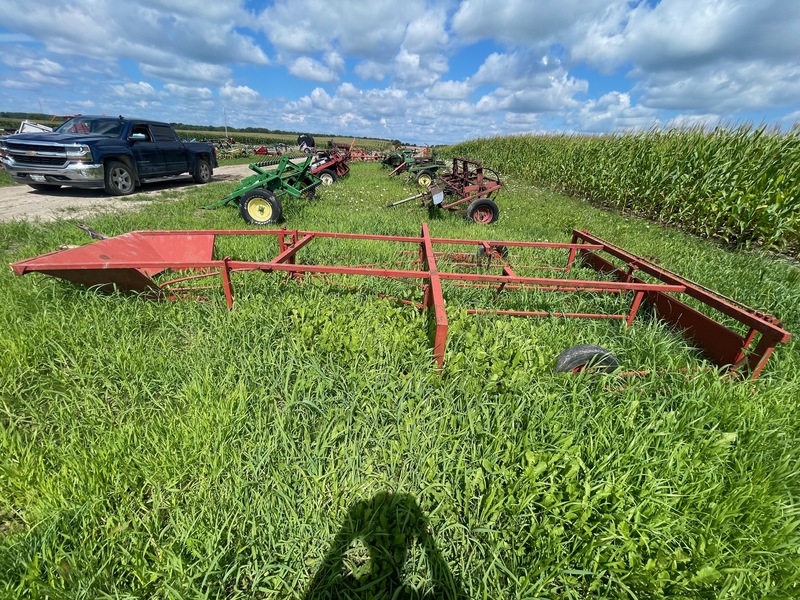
column 737, row 185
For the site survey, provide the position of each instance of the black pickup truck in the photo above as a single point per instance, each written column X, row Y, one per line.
column 98, row 152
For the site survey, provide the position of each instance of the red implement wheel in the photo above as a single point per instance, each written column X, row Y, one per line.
column 483, row 211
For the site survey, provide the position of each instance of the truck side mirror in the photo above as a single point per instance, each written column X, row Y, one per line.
column 136, row 137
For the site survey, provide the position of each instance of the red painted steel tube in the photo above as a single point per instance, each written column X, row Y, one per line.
column 435, row 299
column 226, row 282
column 542, row 313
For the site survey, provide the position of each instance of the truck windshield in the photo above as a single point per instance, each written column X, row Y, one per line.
column 87, row 125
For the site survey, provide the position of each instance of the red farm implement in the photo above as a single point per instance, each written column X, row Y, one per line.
column 329, row 166
column 470, row 189
column 171, row 264
column 273, row 150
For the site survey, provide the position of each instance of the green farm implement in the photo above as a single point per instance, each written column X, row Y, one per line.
column 423, row 169
column 258, row 196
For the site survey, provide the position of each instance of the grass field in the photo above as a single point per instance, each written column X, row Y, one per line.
column 179, row 450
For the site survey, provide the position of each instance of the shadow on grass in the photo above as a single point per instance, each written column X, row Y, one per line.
column 368, row 557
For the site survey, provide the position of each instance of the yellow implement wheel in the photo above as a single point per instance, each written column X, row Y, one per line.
column 424, row 178
column 260, row 207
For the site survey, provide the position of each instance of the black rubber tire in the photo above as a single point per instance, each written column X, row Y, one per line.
column 260, row 207
column 499, row 249
column 586, row 356
column 425, row 178
column 483, row 211
column 394, row 161
column 120, row 180
column 44, row 187
column 306, row 139
column 328, row 177
column 202, row 171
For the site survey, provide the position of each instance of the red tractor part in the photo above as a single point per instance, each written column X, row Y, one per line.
column 470, row 189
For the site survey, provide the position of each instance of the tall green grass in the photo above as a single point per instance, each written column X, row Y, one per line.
column 740, row 185
column 179, row 450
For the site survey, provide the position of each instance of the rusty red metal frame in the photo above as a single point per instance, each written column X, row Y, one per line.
column 131, row 262
column 469, row 180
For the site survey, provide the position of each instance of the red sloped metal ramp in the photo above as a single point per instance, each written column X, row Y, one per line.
column 126, row 262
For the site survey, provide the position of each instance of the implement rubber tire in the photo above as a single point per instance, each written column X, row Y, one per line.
column 425, row 178
column 483, row 211
column 202, row 171
column 327, row 177
column 260, row 207
column 44, row 187
column 586, row 357
column 306, row 139
column 119, row 179
column 498, row 251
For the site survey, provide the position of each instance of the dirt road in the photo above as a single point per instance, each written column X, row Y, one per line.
column 23, row 203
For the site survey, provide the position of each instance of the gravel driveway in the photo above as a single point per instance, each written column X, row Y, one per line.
column 20, row 202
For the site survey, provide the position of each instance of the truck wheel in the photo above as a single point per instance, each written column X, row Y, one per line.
column 483, row 211
column 119, row 179
column 327, row 177
column 424, row 178
column 260, row 207
column 202, row 171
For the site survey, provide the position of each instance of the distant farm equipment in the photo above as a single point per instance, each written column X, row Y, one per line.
column 272, row 150
column 470, row 189
column 258, row 196
column 31, row 127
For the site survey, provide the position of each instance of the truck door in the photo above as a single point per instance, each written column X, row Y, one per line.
column 148, row 157
column 171, row 148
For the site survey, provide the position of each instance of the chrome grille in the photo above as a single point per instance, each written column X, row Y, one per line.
column 50, row 161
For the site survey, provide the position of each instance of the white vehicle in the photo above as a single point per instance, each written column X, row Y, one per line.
column 31, row 127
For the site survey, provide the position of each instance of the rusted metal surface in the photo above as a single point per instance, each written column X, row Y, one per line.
column 469, row 188
column 159, row 263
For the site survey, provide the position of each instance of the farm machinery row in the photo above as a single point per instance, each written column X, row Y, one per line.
column 467, row 188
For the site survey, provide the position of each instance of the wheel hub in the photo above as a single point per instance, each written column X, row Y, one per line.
column 259, row 209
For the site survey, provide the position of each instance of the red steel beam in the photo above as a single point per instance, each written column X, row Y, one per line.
column 434, row 299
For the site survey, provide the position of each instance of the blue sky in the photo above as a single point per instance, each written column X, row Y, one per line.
column 419, row 71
